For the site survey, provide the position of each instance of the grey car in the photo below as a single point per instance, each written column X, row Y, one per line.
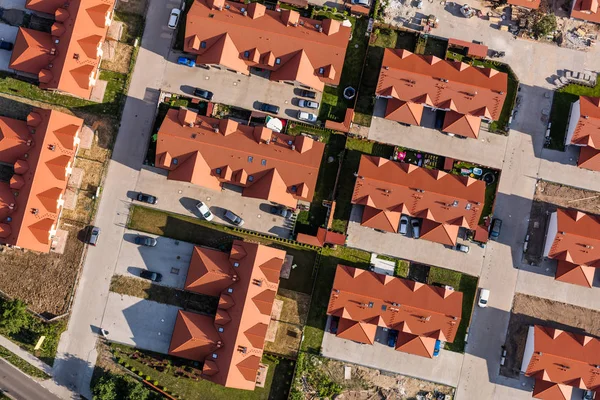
column 145, row 241
column 308, row 104
column 234, row 218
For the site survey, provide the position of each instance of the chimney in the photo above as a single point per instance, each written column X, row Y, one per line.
column 289, row 17
column 227, row 126
column 216, row 4
column 330, row 26
column 262, row 134
column 186, row 117
column 303, row 144
column 256, row 10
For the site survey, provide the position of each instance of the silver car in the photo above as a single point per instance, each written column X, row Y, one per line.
column 308, row 104
column 304, row 116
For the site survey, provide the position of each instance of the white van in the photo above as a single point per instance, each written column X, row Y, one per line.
column 484, row 296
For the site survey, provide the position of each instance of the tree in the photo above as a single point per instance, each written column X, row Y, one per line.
column 14, row 316
column 545, row 25
column 137, row 391
column 105, row 389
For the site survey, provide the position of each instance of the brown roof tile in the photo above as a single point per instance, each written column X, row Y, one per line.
column 586, row 10
column 194, row 336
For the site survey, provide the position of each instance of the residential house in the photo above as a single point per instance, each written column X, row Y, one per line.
column 239, row 36
column 584, row 130
column 448, row 95
column 560, row 361
column 36, row 160
column 586, row 10
column 531, row 4
column 422, row 314
column 210, row 152
column 573, row 239
column 230, row 344
column 387, row 189
column 66, row 59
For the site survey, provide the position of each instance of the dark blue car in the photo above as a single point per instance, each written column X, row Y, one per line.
column 392, row 336
column 190, row 62
column 436, row 348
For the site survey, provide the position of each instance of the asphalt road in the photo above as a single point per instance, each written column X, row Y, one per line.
column 19, row 386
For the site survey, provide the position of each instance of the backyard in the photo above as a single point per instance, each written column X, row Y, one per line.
column 561, row 107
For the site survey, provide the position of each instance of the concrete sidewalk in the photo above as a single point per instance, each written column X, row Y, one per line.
column 25, row 355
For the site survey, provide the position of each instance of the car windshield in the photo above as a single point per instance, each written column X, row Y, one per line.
column 206, row 214
column 483, row 301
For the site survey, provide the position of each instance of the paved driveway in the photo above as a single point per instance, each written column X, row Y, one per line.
column 7, row 33
column 169, row 257
column 419, row 250
column 443, row 369
column 232, row 88
column 141, row 323
column 182, row 197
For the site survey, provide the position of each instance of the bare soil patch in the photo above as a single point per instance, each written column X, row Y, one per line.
column 295, row 306
column 287, row 339
column 530, row 310
column 548, row 197
column 83, row 209
column 120, row 61
column 43, row 281
column 132, row 6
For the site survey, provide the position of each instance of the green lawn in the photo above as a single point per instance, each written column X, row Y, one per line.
column 435, row 47
column 194, row 230
column 21, row 364
column 279, row 378
column 333, row 103
column 468, row 286
column 385, row 37
column 317, row 315
column 401, row 269
column 133, row 28
column 368, row 85
column 115, row 87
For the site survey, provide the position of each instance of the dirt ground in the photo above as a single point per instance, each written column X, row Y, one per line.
column 529, row 310
column 548, row 196
column 368, row 383
column 289, row 328
column 121, row 59
column 132, row 6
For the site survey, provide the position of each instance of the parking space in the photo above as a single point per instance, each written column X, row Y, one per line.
column 140, row 323
column 233, row 89
column 182, row 197
column 170, row 258
column 13, row 4
column 8, row 33
column 443, row 369
column 418, row 250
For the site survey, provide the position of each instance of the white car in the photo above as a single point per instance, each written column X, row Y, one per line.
column 484, row 296
column 204, row 211
column 304, row 116
column 174, row 18
column 403, row 225
column 308, row 104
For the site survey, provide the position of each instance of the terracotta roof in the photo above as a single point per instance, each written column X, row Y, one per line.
column 532, row 4
column 240, row 36
column 461, row 124
column 323, row 236
column 586, row 10
column 190, row 337
column 244, row 310
column 473, row 49
column 373, row 299
column 441, row 84
column 588, row 158
column 551, row 391
column 388, row 189
column 576, row 274
column 565, row 358
column 239, row 154
column 66, row 59
column 42, row 152
column 414, row 344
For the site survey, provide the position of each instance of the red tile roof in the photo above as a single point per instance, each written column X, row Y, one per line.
column 473, row 49
column 586, row 132
column 323, row 237
column 563, row 358
column 532, row 4
column 586, row 10
column 268, row 165
column 240, row 36
column 422, row 313
column 231, row 357
column 41, row 150
column 66, row 59
column 446, row 202
column 588, row 158
column 412, row 81
column 551, row 391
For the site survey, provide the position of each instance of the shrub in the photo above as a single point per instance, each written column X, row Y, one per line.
column 148, row 377
column 155, row 383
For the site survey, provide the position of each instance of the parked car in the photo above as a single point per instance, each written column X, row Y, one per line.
column 308, row 94
column 203, row 94
column 152, row 276
column 283, row 211
column 304, row 116
column 270, row 108
column 588, row 395
column 94, row 235
column 333, row 325
column 496, row 226
column 392, row 336
column 146, row 198
column 204, row 211
column 484, row 296
column 190, row 62
column 4, row 45
column 234, row 218
column 364, row 3
column 145, row 241
column 308, row 104
column 416, row 228
column 174, row 18
column 462, row 247
column 436, row 348
column 403, row 225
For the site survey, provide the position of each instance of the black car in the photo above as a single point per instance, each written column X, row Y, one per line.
column 392, row 337
column 146, row 198
column 4, row 45
column 308, row 94
column 152, row 276
column 233, row 218
column 270, row 108
column 203, row 94
column 496, row 226
column 283, row 211
column 145, row 241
